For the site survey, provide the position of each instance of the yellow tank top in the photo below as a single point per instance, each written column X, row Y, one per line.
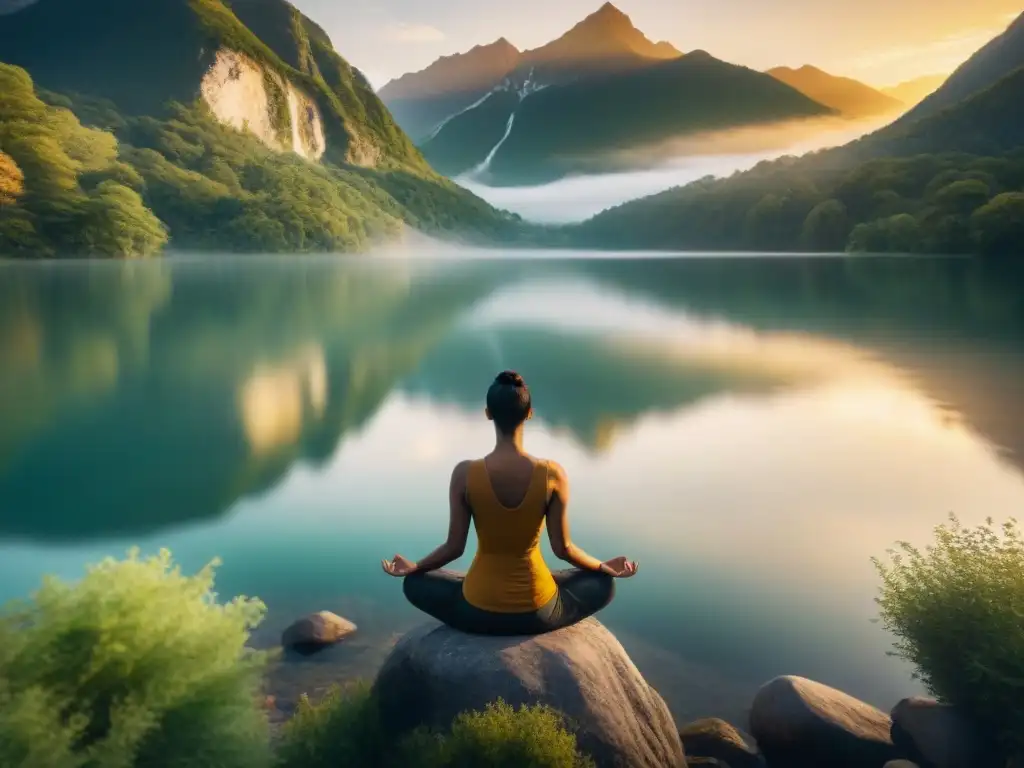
column 508, row 573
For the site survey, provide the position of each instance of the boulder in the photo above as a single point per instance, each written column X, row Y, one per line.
column 939, row 736
column 714, row 738
column 436, row 672
column 799, row 723
column 316, row 631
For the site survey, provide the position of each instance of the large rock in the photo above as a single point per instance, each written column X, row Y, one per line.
column 316, row 631
column 436, row 672
column 939, row 736
column 714, row 738
column 799, row 723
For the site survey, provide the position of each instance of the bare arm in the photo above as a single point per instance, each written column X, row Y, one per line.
column 558, row 525
column 458, row 524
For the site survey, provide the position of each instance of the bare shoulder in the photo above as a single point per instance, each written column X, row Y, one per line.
column 461, row 471
column 558, row 478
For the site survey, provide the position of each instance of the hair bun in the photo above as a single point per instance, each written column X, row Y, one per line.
column 510, row 378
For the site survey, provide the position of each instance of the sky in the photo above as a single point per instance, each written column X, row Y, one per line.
column 881, row 42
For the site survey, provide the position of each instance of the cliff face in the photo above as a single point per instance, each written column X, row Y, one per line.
column 258, row 64
column 246, row 96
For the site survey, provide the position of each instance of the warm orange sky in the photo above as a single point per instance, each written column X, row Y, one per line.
column 879, row 41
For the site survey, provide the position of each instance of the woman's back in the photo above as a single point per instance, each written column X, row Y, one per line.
column 508, row 501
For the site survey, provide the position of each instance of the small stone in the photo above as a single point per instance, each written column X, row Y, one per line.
column 900, row 764
column 714, row 738
column 940, row 736
column 317, row 631
column 799, row 723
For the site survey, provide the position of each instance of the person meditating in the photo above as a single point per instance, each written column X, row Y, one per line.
column 509, row 495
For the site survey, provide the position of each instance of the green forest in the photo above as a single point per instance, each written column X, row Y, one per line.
column 941, row 203
column 186, row 180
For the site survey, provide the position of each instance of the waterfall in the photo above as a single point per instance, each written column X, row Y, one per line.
column 474, row 105
column 486, row 164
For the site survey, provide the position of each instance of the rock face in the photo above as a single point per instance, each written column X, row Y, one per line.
column 243, row 94
column 714, row 738
column 938, row 735
column 316, row 631
column 436, row 672
column 798, row 723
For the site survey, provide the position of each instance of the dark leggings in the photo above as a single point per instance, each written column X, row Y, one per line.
column 580, row 594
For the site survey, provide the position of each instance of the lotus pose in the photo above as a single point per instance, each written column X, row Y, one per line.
column 509, row 495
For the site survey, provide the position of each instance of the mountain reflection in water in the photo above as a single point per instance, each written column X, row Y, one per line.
column 752, row 429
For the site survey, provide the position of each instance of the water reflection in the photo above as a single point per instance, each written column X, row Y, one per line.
column 156, row 394
column 752, row 429
column 131, row 415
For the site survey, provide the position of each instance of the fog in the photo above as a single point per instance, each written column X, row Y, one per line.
column 668, row 165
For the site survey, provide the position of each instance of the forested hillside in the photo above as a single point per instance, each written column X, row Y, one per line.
column 191, row 161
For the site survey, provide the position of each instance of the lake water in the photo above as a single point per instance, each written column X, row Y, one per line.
column 752, row 429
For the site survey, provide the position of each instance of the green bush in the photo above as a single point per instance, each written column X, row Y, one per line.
column 134, row 665
column 957, row 612
column 341, row 730
column 344, row 730
column 503, row 737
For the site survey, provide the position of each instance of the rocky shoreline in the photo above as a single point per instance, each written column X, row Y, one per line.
column 432, row 673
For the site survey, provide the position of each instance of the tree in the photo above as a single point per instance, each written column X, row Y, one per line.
column 896, row 234
column 119, row 224
column 962, row 197
column 826, row 228
column 12, row 180
column 998, row 227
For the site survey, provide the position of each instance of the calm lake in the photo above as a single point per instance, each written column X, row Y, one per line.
column 751, row 429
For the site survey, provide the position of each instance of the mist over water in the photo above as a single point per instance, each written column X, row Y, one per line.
column 577, row 198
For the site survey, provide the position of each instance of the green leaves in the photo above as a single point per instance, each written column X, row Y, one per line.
column 950, row 203
column 344, row 730
column 956, row 610
column 47, row 155
column 136, row 664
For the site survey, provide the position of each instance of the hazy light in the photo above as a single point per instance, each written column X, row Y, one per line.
column 274, row 400
column 575, row 199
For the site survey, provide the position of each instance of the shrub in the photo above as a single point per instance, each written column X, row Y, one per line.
column 503, row 737
column 344, row 730
column 341, row 730
column 957, row 611
column 134, row 665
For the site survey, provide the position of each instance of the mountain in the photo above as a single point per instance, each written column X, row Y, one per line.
column 941, row 179
column 141, row 56
column 421, row 100
column 989, row 122
column 913, row 92
column 605, row 41
column 235, row 123
column 999, row 58
column 849, row 97
column 545, row 133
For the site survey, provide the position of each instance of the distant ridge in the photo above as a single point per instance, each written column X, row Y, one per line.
column 477, row 68
column 999, row 58
column 574, row 127
column 913, row 92
column 847, row 96
column 605, row 41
